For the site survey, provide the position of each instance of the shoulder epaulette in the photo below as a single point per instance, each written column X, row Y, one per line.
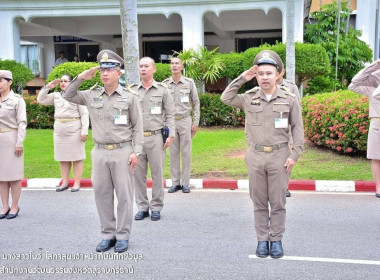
column 17, row 95
column 129, row 88
column 166, row 80
column 285, row 88
column 94, row 86
column 289, row 81
column 252, row 90
column 163, row 84
column 188, row 79
column 287, row 91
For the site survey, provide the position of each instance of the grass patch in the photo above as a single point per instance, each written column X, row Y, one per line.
column 216, row 153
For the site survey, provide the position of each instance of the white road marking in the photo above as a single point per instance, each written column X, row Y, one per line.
column 328, row 260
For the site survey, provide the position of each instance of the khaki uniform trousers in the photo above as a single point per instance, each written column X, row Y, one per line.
column 110, row 172
column 152, row 152
column 267, row 183
column 181, row 145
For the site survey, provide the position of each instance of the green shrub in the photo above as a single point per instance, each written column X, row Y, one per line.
column 234, row 64
column 75, row 68
column 320, row 84
column 162, row 72
column 337, row 120
column 20, row 73
column 214, row 112
column 38, row 116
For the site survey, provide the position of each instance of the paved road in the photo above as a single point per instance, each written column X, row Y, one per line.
column 207, row 234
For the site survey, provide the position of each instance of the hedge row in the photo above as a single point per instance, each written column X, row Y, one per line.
column 337, row 120
column 21, row 74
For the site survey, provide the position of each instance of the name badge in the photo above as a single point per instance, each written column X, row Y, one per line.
column 184, row 99
column 281, row 123
column 120, row 119
column 155, row 110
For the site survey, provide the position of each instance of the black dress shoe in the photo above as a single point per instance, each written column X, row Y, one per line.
column 62, row 189
column 262, row 250
column 121, row 246
column 155, row 216
column 287, row 193
column 378, row 195
column 141, row 215
column 276, row 250
column 12, row 216
column 2, row 216
column 185, row 189
column 174, row 189
column 105, row 245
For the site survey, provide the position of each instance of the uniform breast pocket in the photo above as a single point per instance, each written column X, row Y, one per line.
column 281, row 111
column 254, row 115
column 185, row 95
column 156, row 105
column 58, row 102
column 96, row 109
column 121, row 108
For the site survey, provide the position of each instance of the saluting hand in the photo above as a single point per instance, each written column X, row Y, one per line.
column 53, row 83
column 250, row 73
column 133, row 161
column 88, row 74
column 289, row 165
column 168, row 142
column 19, row 151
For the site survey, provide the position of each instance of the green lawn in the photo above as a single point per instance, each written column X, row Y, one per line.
column 217, row 153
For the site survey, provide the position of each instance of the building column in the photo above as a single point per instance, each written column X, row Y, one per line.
column 192, row 27
column 366, row 22
column 10, row 38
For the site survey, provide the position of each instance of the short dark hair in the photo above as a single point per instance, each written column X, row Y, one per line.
column 61, row 52
column 69, row 76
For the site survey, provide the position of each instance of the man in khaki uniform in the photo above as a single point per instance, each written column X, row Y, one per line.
column 287, row 85
column 117, row 132
column 158, row 110
column 269, row 110
column 186, row 100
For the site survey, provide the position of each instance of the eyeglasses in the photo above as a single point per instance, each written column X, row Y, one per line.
column 65, row 81
column 108, row 69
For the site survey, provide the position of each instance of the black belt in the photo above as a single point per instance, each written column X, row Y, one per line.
column 269, row 148
column 113, row 146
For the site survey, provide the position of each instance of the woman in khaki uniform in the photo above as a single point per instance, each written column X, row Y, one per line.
column 12, row 134
column 70, row 131
column 365, row 82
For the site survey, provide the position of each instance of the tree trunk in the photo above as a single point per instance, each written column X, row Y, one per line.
column 290, row 42
column 129, row 31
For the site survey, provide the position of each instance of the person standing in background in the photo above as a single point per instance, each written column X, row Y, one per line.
column 367, row 83
column 186, row 101
column 158, row 110
column 70, row 131
column 12, row 135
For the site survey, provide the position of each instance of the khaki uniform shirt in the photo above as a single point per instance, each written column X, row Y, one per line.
column 365, row 82
column 185, row 97
column 13, row 115
column 260, row 115
column 157, row 106
column 292, row 88
column 104, row 109
column 64, row 109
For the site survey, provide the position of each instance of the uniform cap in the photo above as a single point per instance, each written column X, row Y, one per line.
column 109, row 59
column 268, row 57
column 6, row 74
